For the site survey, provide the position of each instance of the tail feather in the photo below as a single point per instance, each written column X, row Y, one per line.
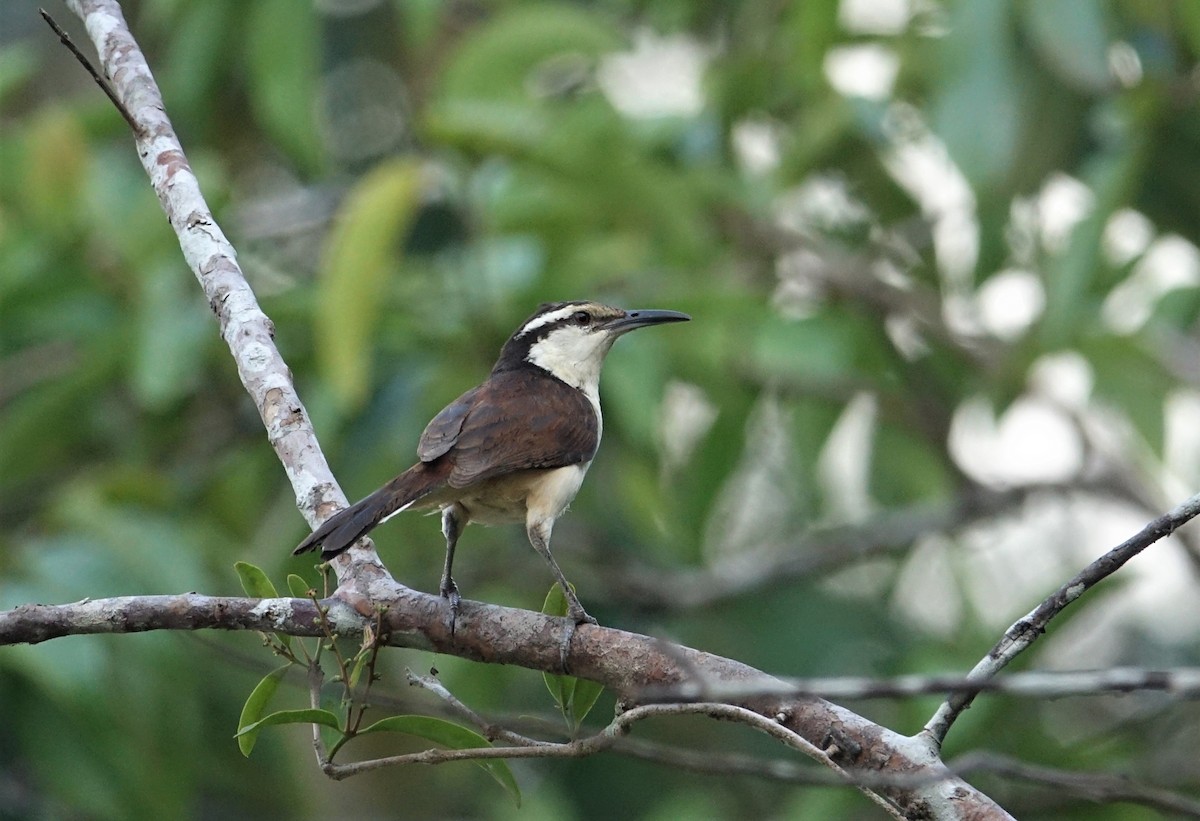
column 337, row 533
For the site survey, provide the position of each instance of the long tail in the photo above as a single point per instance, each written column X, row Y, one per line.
column 344, row 528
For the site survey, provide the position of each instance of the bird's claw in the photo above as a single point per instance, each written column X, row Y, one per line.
column 577, row 616
column 449, row 591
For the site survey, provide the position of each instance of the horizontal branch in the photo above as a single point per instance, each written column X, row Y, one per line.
column 627, row 663
column 35, row 623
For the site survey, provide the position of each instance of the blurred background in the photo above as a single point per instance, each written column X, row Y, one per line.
column 942, row 263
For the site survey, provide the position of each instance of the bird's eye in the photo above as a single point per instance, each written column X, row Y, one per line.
column 582, row 318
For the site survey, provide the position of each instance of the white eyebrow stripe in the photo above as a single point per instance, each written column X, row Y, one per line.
column 546, row 319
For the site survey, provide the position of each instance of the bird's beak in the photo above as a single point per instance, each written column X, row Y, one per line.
column 642, row 318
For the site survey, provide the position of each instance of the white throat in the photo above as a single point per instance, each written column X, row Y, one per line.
column 574, row 355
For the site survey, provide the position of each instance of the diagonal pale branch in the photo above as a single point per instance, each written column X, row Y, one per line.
column 1025, row 631
column 247, row 331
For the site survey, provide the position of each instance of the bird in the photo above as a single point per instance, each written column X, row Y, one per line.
column 513, row 449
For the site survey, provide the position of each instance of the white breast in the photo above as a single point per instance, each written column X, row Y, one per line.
column 553, row 491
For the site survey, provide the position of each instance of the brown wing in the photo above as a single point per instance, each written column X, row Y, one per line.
column 442, row 432
column 520, row 420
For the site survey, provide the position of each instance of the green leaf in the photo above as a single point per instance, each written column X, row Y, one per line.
column 575, row 697
column 256, row 584
column 298, row 586
column 18, row 62
column 1187, row 19
column 56, row 161
column 561, row 687
column 254, row 581
column 305, row 716
column 282, row 44
column 1178, row 309
column 584, row 698
column 196, row 55
column 500, row 59
column 173, row 338
column 981, row 92
column 1072, row 38
column 252, row 711
column 334, row 703
column 906, row 468
column 1130, row 378
column 819, row 349
column 450, row 735
column 489, row 125
column 360, row 257
column 555, row 603
column 1070, row 290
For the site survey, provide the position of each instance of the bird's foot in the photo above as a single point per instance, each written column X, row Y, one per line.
column 449, row 591
column 577, row 616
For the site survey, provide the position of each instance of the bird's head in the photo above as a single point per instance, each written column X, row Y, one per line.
column 571, row 339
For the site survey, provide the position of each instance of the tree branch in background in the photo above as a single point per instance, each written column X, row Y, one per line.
column 820, row 550
column 1096, row 787
column 1026, row 630
column 1183, row 682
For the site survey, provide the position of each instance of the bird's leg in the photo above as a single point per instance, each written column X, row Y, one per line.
column 539, row 537
column 453, row 519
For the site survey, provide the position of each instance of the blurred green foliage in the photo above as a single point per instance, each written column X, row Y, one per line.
column 405, row 181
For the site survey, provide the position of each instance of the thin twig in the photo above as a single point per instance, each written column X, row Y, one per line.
column 490, row 731
column 1026, row 630
column 373, row 640
column 1089, row 786
column 138, row 129
column 599, row 742
column 620, row 727
column 316, row 679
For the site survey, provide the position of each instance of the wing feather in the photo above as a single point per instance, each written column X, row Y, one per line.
column 556, row 427
column 443, row 430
